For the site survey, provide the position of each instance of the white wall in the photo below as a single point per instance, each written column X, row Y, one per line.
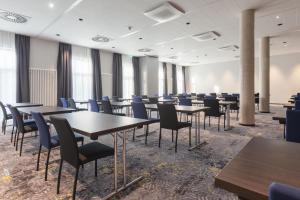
column 285, row 76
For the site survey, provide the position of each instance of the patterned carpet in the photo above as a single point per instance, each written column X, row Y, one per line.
column 185, row 175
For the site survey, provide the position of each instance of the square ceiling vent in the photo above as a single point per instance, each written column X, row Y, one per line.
column 165, row 12
column 210, row 35
column 229, row 48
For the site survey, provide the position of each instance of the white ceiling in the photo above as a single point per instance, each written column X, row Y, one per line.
column 111, row 18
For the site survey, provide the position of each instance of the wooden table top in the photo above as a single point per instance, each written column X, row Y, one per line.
column 261, row 162
column 183, row 109
column 46, row 110
column 167, row 100
column 26, row 104
column 220, row 102
column 94, row 124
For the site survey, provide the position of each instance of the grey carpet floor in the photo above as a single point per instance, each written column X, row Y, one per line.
column 167, row 175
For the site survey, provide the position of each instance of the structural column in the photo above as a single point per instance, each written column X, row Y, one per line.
column 247, row 102
column 264, row 75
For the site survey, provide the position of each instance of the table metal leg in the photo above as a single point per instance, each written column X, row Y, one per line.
column 197, row 132
column 228, row 127
column 116, row 161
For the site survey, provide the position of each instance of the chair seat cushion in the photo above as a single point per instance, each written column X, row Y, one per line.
column 30, row 128
column 93, row 151
column 154, row 120
column 183, row 125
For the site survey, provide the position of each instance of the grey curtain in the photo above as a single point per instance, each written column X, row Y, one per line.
column 136, row 74
column 174, row 79
column 184, row 80
column 117, row 75
column 165, row 89
column 97, row 79
column 64, row 71
column 22, row 44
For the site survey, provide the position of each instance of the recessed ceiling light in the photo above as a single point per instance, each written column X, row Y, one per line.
column 172, row 48
column 140, row 38
column 100, row 38
column 280, row 24
column 205, row 55
column 277, row 17
column 188, row 23
column 12, row 17
column 57, row 34
column 51, row 5
column 80, row 19
column 145, row 50
column 113, row 47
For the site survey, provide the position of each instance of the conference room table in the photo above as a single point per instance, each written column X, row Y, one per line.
column 289, row 106
column 45, row 110
column 25, row 104
column 192, row 110
column 221, row 103
column 94, row 125
column 261, row 162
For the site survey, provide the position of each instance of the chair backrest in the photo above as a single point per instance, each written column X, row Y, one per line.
column 106, row 106
column 153, row 100
column 279, row 191
column 68, row 144
column 4, row 112
column 45, row 138
column 13, row 116
column 297, row 98
column 213, row 94
column 193, row 94
column 235, row 95
column 185, row 102
column 168, row 116
column 210, row 97
column 115, row 98
column 64, row 102
column 94, row 105
column 293, row 126
column 200, row 96
column 144, row 96
column 137, row 99
column 105, row 98
column 297, row 105
column 232, row 98
column 214, row 107
column 18, row 118
column 167, row 97
column 72, row 103
column 223, row 94
column 139, row 110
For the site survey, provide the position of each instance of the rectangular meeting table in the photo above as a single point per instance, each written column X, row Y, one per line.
column 25, row 104
column 224, row 103
column 261, row 162
column 194, row 111
column 94, row 125
column 289, row 106
column 45, row 110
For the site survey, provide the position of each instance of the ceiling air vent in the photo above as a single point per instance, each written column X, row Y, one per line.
column 100, row 38
column 165, row 12
column 211, row 35
column 12, row 17
column 229, row 48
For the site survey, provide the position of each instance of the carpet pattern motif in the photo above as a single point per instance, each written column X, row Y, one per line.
column 167, row 175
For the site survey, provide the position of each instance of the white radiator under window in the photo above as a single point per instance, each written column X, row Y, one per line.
column 43, row 86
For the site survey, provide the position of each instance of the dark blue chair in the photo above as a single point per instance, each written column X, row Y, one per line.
column 140, row 112
column 94, row 105
column 210, row 97
column 106, row 98
column 107, row 108
column 185, row 102
column 293, row 126
column 213, row 94
column 200, row 96
column 213, row 111
column 297, row 105
column 46, row 140
column 64, row 102
column 137, row 99
column 72, row 104
column 5, row 117
column 167, row 97
column 22, row 127
column 278, row 191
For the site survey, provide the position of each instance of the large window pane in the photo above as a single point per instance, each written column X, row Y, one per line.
column 7, row 68
column 81, row 73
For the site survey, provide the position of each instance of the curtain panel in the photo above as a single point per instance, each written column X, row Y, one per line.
column 174, row 79
column 22, row 47
column 165, row 90
column 184, row 79
column 97, row 77
column 64, row 72
column 117, row 75
column 136, row 75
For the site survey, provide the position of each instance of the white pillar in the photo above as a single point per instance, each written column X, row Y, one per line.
column 247, row 103
column 264, row 74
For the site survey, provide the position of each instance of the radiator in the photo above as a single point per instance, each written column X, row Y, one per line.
column 43, row 86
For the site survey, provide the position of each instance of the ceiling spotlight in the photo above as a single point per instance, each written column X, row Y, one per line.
column 205, row 55
column 188, row 23
column 57, row 34
column 113, row 47
column 140, row 38
column 100, row 38
column 172, row 48
column 51, row 5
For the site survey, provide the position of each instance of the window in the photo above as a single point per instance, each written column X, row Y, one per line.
column 160, row 79
column 128, row 83
column 82, row 74
column 8, row 69
column 179, row 79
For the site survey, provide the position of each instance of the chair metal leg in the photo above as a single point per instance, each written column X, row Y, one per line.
column 16, row 136
column 133, row 135
column 38, row 159
column 17, row 140
column 219, row 123
column 284, row 131
column 96, row 168
column 209, row 121
column 47, row 163
column 147, row 132
column 12, row 134
column 3, row 127
column 172, row 136
column 225, row 121
column 176, row 141
column 21, row 147
column 59, row 175
column 159, row 137
column 190, row 136
column 204, row 122
column 75, row 183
